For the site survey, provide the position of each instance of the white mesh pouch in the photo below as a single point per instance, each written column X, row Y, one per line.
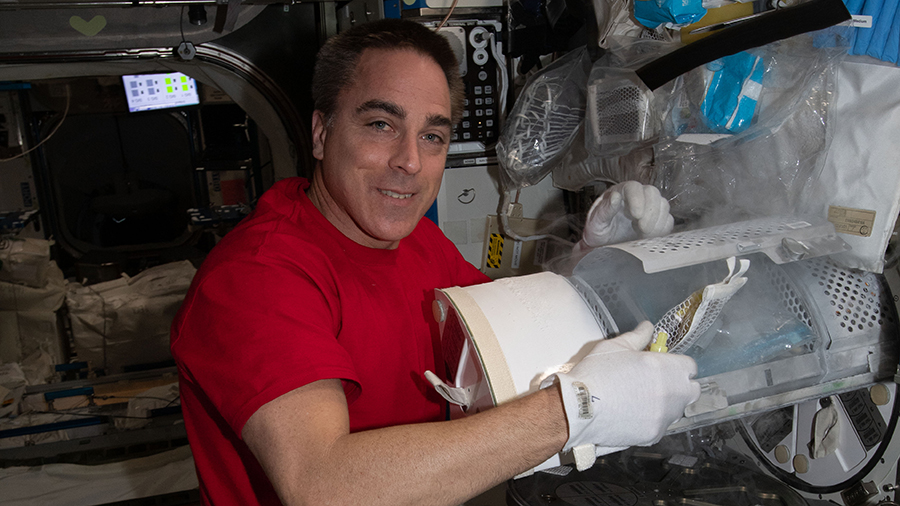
column 619, row 115
column 682, row 325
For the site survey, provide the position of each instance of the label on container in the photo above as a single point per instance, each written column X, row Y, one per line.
column 852, row 221
column 861, row 21
column 517, row 254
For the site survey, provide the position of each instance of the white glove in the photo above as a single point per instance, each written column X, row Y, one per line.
column 625, row 212
column 620, row 396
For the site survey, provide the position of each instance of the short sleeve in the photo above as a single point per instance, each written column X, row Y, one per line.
column 251, row 331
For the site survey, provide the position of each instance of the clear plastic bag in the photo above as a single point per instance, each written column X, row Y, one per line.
column 544, row 120
column 621, row 112
column 743, row 338
column 763, row 170
column 605, row 154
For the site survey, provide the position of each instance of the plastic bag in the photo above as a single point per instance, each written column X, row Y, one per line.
column 544, row 120
column 668, row 13
column 756, row 328
column 733, row 86
column 763, row 170
column 622, row 114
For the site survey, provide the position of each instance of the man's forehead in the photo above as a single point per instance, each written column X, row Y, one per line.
column 367, row 90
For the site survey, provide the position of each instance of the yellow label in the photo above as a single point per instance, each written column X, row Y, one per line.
column 495, row 251
column 852, row 221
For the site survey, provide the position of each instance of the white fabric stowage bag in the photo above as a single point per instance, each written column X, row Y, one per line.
column 126, row 321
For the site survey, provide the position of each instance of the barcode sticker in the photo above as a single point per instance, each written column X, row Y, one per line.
column 583, row 397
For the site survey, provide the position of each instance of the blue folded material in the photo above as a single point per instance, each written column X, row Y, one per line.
column 654, row 13
column 863, row 36
column 732, row 92
column 881, row 28
column 882, row 40
column 892, row 48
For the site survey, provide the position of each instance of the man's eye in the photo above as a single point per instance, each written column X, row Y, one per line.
column 434, row 138
column 380, row 125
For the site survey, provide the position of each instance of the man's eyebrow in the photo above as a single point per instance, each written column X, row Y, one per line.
column 439, row 120
column 388, row 107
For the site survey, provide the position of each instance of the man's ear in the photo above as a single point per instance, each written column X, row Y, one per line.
column 319, row 131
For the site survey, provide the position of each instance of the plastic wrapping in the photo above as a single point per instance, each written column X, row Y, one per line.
column 668, row 13
column 544, row 120
column 743, row 339
column 733, row 86
column 603, row 150
column 811, row 149
column 764, row 170
column 622, row 113
column 619, row 112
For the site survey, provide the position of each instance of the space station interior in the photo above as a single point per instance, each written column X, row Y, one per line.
column 134, row 135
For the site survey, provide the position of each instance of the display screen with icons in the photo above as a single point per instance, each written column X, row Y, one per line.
column 147, row 92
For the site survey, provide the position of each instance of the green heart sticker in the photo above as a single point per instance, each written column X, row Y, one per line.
column 89, row 28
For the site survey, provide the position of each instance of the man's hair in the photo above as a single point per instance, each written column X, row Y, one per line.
column 337, row 60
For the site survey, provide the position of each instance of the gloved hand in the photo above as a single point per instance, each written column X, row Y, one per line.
column 625, row 212
column 620, row 396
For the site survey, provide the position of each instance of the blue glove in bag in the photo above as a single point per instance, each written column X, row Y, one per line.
column 653, row 13
column 732, row 92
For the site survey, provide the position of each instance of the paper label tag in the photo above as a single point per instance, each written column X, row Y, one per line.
column 517, row 254
column 852, row 221
column 860, row 21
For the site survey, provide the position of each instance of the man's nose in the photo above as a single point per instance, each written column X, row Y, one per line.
column 406, row 154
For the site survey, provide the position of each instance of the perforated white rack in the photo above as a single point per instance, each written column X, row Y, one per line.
column 783, row 239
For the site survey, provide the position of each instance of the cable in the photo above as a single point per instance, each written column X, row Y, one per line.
column 504, row 77
column 443, row 21
column 181, row 24
column 507, row 229
column 61, row 120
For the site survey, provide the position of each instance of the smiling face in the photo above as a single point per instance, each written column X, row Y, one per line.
column 381, row 155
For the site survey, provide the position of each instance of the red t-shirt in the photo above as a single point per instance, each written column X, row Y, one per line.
column 285, row 299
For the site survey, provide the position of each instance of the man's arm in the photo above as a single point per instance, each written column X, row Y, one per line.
column 303, row 442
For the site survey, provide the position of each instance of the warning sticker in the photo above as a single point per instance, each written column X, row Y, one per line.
column 852, row 221
column 495, row 251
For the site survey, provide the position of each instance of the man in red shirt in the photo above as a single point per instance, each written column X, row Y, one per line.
column 302, row 343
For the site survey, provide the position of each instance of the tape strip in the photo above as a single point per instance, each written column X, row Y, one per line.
column 496, row 369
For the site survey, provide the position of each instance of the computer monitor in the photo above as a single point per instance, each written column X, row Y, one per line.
column 148, row 92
